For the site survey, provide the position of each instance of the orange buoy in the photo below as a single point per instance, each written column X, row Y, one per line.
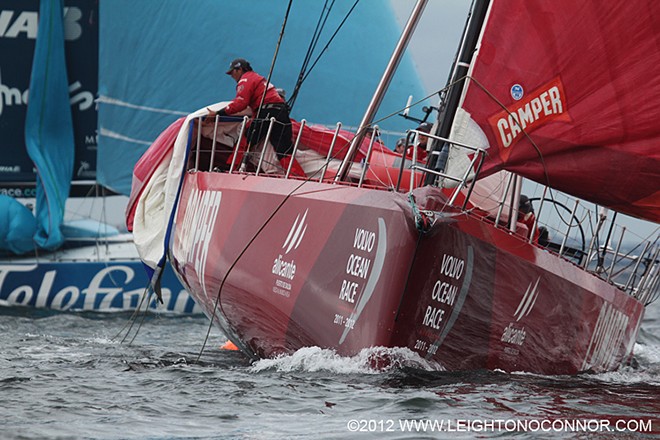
column 229, row 346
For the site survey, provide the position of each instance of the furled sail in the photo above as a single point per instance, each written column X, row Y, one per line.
column 567, row 93
column 49, row 127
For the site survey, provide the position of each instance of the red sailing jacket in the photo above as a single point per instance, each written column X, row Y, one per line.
column 421, row 153
column 249, row 89
column 528, row 220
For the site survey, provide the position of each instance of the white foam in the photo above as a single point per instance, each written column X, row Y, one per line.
column 373, row 360
column 646, row 371
column 627, row 375
column 647, row 354
column 104, row 340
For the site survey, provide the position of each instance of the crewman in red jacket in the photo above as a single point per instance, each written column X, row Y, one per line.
column 527, row 217
column 425, row 127
column 250, row 88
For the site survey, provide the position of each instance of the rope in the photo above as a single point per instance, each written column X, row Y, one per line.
column 300, row 81
column 233, row 264
column 420, row 222
column 272, row 64
column 146, row 294
column 531, row 141
column 312, row 45
column 272, row 67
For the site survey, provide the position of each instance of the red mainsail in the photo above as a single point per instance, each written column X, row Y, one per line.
column 567, row 93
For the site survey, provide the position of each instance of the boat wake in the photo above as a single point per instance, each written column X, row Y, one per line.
column 373, row 360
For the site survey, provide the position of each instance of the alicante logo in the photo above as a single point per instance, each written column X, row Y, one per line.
column 528, row 300
column 284, row 268
column 296, row 233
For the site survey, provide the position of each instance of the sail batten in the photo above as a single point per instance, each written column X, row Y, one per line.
column 573, row 104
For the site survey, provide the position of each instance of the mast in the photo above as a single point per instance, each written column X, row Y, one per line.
column 438, row 157
column 382, row 86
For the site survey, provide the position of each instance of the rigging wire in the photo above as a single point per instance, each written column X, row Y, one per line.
column 578, row 222
column 216, row 302
column 272, row 66
column 529, row 138
column 300, row 81
column 147, row 294
column 312, row 45
column 313, row 177
column 144, row 315
column 531, row 141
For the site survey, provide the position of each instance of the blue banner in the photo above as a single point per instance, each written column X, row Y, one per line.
column 18, row 32
column 88, row 286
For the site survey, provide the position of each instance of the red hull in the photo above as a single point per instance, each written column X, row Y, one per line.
column 345, row 268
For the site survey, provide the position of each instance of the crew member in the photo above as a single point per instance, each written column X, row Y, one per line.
column 526, row 216
column 400, row 146
column 424, row 127
column 250, row 88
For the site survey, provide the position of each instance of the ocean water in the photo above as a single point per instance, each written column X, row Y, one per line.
column 76, row 376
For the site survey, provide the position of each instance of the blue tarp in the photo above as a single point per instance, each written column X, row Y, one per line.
column 159, row 59
column 49, row 127
column 17, row 226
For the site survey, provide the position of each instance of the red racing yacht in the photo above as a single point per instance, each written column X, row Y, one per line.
column 373, row 249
